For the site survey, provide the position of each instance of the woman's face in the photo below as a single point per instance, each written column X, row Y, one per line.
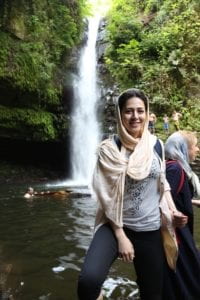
column 133, row 116
column 193, row 150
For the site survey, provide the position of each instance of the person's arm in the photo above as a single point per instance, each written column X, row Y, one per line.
column 178, row 218
column 196, row 202
column 125, row 247
column 173, row 175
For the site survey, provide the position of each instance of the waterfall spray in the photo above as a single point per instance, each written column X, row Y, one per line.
column 84, row 126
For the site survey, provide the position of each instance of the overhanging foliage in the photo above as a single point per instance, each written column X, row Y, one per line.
column 154, row 45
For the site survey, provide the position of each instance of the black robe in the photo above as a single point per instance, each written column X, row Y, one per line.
column 184, row 283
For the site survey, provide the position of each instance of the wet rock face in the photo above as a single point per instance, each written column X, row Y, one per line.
column 108, row 112
column 109, row 90
column 102, row 41
column 101, row 45
column 49, row 156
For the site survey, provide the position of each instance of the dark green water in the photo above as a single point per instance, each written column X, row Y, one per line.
column 45, row 242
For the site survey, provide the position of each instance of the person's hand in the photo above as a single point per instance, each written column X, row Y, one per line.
column 179, row 219
column 196, row 202
column 126, row 250
column 125, row 247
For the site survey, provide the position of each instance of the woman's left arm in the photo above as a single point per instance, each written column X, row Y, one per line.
column 125, row 247
column 178, row 218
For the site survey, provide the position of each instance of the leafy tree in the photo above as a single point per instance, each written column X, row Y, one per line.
column 154, row 45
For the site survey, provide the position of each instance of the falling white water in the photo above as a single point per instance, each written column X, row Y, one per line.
column 84, row 126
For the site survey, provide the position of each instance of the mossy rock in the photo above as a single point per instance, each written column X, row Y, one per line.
column 27, row 123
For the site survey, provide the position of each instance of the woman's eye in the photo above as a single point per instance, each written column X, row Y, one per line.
column 131, row 111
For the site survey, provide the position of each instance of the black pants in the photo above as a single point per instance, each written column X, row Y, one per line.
column 149, row 263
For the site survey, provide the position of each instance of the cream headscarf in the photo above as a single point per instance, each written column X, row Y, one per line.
column 140, row 160
column 112, row 167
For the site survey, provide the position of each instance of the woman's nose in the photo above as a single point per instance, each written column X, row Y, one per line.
column 134, row 115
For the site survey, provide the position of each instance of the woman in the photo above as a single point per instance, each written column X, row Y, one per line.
column 127, row 186
column 181, row 149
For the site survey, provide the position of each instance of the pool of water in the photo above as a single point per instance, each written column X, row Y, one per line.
column 44, row 241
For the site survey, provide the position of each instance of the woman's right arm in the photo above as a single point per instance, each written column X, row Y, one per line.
column 196, row 202
column 126, row 250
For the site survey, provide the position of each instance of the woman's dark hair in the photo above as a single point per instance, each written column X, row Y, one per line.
column 130, row 93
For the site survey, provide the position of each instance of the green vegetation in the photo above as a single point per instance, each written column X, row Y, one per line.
column 37, row 38
column 35, row 35
column 29, row 124
column 154, row 45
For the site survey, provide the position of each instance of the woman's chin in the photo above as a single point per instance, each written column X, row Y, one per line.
column 135, row 133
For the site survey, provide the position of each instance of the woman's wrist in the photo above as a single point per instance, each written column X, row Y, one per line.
column 118, row 231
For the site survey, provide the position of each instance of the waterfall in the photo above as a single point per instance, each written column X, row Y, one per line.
column 84, row 125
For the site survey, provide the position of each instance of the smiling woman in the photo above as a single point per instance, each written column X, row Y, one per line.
column 126, row 184
column 133, row 116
